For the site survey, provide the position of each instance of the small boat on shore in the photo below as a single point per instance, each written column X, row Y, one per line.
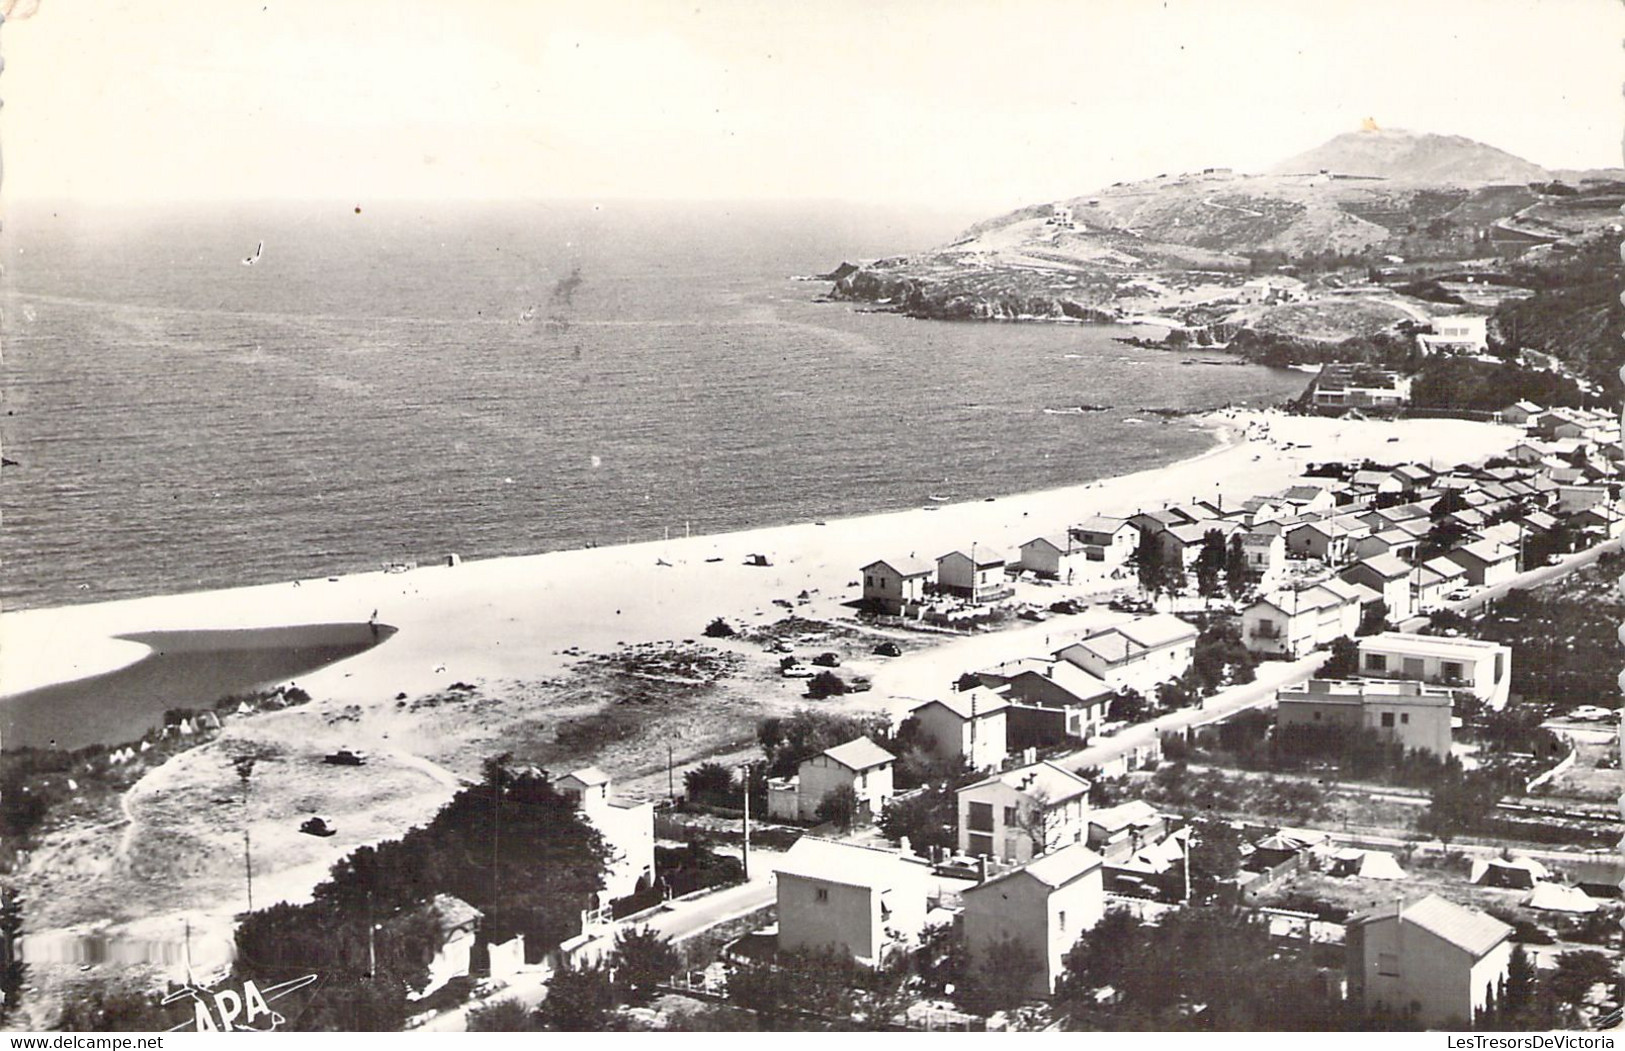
column 937, row 499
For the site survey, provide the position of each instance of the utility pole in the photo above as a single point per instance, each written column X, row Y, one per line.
column 372, row 940
column 671, row 778
column 245, row 770
column 744, row 783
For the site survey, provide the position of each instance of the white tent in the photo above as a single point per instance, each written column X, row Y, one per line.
column 1555, row 897
column 1365, row 864
column 1517, row 872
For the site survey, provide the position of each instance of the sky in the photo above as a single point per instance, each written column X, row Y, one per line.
column 933, row 103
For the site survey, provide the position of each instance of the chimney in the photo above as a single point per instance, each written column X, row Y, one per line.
column 1029, row 756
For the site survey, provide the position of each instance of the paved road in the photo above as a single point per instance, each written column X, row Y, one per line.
column 1527, row 579
column 1272, row 675
column 681, row 920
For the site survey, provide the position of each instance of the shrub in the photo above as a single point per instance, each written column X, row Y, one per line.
column 825, row 684
column 719, row 629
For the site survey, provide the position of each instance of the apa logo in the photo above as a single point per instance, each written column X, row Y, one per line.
column 227, row 1010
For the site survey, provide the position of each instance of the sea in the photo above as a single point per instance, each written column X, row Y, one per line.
column 392, row 382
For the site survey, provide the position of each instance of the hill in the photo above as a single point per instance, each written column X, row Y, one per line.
column 1409, row 156
column 1221, row 251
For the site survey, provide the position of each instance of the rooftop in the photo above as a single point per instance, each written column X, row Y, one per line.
column 968, row 704
column 1100, row 524
column 1428, row 645
column 861, row 754
column 1043, row 779
column 1386, row 565
column 906, row 567
column 1359, row 691
column 848, row 864
column 1474, row 932
column 1055, row 869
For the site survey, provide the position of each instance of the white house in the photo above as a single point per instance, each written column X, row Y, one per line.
column 1022, row 813
column 1442, row 959
column 1041, row 907
column 1050, row 683
column 980, row 578
column 1307, row 499
column 1328, row 539
column 1411, row 713
column 1265, row 554
column 894, row 585
column 1457, row 334
column 966, row 724
column 1487, row 563
column 1520, row 412
column 1436, row 578
column 1389, row 576
column 862, row 765
column 864, row 901
column 1108, row 540
column 1138, row 655
column 1292, row 623
column 1052, row 557
column 628, row 829
column 1483, row 667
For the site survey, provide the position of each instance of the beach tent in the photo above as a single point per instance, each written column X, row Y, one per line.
column 1521, row 873
column 1555, row 897
column 1365, row 864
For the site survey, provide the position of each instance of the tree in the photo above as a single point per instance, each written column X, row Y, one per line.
column 579, row 1000
column 818, row 982
column 927, row 819
column 839, row 807
column 1460, row 801
column 1577, row 972
column 1097, row 960
column 787, row 741
column 502, row 1016
column 719, row 629
column 1374, row 619
column 1002, row 979
column 1210, row 564
column 825, row 684
column 1128, row 705
column 1214, row 854
column 1236, row 576
column 642, row 960
column 711, row 783
column 1344, row 661
column 13, row 972
column 1149, row 562
column 1520, row 983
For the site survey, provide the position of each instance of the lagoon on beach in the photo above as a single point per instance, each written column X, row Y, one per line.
column 180, row 669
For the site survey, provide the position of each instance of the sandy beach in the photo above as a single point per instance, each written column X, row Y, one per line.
column 518, row 629
column 509, row 618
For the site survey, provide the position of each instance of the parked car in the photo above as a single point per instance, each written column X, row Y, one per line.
column 1590, row 713
column 796, row 671
column 888, row 649
column 859, row 684
column 345, row 757
column 1067, row 607
column 1458, row 595
column 828, row 659
column 777, row 646
column 318, row 826
column 1033, row 615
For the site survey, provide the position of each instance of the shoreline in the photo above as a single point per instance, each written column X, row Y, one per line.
column 513, row 627
column 509, row 617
